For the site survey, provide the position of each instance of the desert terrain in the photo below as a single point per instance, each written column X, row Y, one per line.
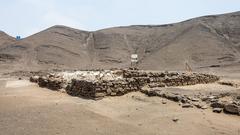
column 28, row 109
column 209, row 44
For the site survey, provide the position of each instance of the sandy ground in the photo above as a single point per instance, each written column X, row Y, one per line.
column 27, row 109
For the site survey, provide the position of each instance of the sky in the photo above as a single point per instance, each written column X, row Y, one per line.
column 26, row 17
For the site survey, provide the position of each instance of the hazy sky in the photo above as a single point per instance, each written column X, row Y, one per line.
column 26, row 17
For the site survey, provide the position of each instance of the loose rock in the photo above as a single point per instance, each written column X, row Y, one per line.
column 217, row 110
column 232, row 109
column 217, row 105
column 175, row 119
column 187, row 105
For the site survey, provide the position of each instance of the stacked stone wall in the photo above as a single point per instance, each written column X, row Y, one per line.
column 134, row 81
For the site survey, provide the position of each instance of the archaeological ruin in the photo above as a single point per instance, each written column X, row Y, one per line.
column 98, row 84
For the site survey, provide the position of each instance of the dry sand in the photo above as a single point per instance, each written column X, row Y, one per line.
column 27, row 109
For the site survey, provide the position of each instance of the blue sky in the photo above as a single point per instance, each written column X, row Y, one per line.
column 26, row 17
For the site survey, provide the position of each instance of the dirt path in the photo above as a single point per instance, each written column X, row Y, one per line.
column 30, row 110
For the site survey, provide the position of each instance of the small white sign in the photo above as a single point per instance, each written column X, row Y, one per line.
column 134, row 58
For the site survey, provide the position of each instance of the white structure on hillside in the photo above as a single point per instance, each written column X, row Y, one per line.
column 134, row 60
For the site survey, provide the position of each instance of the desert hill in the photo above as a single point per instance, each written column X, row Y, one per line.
column 5, row 39
column 202, row 42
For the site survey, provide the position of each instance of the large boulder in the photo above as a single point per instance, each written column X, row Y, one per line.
column 232, row 109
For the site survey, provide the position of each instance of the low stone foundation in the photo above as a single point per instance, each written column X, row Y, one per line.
column 170, row 78
column 134, row 80
column 98, row 84
column 50, row 81
column 99, row 89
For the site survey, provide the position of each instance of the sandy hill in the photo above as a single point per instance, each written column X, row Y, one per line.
column 202, row 42
column 5, row 39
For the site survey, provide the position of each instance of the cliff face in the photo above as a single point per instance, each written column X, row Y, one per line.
column 201, row 42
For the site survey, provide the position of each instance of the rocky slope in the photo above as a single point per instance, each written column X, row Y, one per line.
column 202, row 42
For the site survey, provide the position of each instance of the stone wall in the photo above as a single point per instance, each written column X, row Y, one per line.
column 118, row 82
column 134, row 80
column 49, row 81
column 99, row 89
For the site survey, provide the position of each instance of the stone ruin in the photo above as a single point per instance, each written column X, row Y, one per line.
column 98, row 84
column 133, row 80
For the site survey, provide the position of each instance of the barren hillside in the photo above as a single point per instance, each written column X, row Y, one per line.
column 202, row 42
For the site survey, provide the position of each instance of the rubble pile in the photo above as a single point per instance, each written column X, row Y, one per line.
column 230, row 83
column 216, row 101
column 91, row 75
